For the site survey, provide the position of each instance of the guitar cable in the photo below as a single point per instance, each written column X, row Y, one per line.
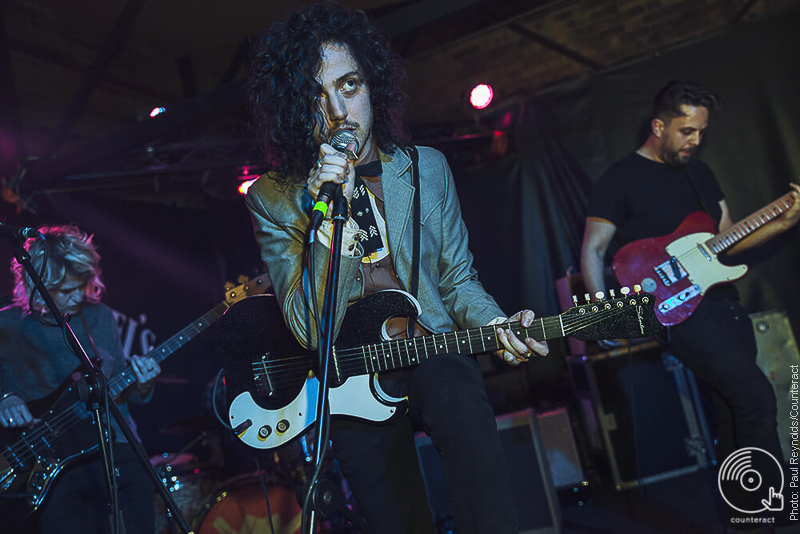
column 308, row 275
column 214, row 406
column 45, row 258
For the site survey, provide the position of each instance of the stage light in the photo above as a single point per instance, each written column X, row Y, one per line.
column 157, row 111
column 244, row 186
column 481, row 96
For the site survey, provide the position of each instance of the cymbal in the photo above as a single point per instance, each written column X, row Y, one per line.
column 190, row 425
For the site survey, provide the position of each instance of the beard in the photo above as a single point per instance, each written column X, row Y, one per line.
column 676, row 158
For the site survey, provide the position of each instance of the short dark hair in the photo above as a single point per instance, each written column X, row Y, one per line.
column 282, row 88
column 669, row 99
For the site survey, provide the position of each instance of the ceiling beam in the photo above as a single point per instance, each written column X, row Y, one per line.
column 561, row 49
column 108, row 52
column 137, row 135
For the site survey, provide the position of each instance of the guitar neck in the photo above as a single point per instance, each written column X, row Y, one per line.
column 749, row 224
column 122, row 381
column 401, row 353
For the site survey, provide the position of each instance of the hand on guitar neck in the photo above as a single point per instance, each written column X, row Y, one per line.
column 145, row 369
column 516, row 351
column 783, row 221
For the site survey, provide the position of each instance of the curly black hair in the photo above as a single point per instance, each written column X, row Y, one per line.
column 282, row 88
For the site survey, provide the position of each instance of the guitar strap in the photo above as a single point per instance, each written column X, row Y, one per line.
column 700, row 200
column 98, row 359
column 416, row 183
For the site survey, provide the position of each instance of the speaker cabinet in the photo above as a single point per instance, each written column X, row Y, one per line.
column 531, row 480
column 777, row 353
column 641, row 413
column 563, row 456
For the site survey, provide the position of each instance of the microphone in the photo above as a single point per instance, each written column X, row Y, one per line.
column 17, row 232
column 328, row 190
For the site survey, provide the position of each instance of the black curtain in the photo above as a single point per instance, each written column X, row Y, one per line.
column 525, row 215
column 753, row 146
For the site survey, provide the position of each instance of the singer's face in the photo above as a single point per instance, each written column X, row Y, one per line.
column 343, row 101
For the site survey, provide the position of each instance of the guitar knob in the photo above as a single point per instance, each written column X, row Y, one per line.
column 264, row 432
column 282, row 426
column 599, row 295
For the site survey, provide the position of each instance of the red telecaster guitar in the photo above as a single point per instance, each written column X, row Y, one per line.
column 680, row 267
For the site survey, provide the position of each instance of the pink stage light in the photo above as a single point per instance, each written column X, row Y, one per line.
column 157, row 111
column 481, row 96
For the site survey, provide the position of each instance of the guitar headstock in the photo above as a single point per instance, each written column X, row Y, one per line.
column 627, row 316
column 246, row 287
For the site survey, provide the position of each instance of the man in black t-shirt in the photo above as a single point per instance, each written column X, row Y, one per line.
column 648, row 194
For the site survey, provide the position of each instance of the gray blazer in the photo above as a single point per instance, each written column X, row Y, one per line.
column 450, row 294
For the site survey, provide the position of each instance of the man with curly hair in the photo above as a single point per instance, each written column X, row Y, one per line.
column 324, row 71
column 35, row 360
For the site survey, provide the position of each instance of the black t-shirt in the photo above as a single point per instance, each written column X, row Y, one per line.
column 644, row 198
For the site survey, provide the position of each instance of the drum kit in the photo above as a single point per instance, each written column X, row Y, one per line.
column 225, row 496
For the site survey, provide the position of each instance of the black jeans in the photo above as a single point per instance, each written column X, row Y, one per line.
column 77, row 503
column 448, row 401
column 718, row 344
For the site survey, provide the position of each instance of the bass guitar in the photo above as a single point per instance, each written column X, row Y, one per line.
column 32, row 457
column 272, row 390
column 680, row 267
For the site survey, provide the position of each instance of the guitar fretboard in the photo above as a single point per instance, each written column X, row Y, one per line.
column 123, row 380
column 749, row 224
column 401, row 353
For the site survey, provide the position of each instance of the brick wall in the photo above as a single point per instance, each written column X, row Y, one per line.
column 606, row 32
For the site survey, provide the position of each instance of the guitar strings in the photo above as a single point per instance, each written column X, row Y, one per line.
column 31, row 445
column 33, row 442
column 741, row 229
column 353, row 359
column 287, row 364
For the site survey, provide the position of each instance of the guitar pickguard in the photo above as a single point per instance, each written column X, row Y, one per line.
column 257, row 349
column 678, row 268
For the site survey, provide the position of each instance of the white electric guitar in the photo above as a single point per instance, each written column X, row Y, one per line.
column 272, row 390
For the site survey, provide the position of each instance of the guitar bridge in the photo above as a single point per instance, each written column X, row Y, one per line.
column 680, row 298
column 670, row 271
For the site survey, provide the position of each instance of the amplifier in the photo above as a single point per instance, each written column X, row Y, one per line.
column 777, row 352
column 563, row 456
column 642, row 415
column 536, row 502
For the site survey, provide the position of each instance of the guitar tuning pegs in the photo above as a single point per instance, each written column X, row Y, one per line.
column 587, row 297
column 575, row 299
column 611, row 294
column 625, row 290
column 228, row 286
column 637, row 288
column 242, row 279
column 599, row 295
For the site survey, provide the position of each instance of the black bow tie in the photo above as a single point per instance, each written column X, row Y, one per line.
column 373, row 168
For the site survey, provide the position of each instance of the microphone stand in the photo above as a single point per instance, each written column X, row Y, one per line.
column 95, row 393
column 325, row 498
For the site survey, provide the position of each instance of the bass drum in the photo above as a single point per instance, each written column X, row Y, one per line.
column 240, row 507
